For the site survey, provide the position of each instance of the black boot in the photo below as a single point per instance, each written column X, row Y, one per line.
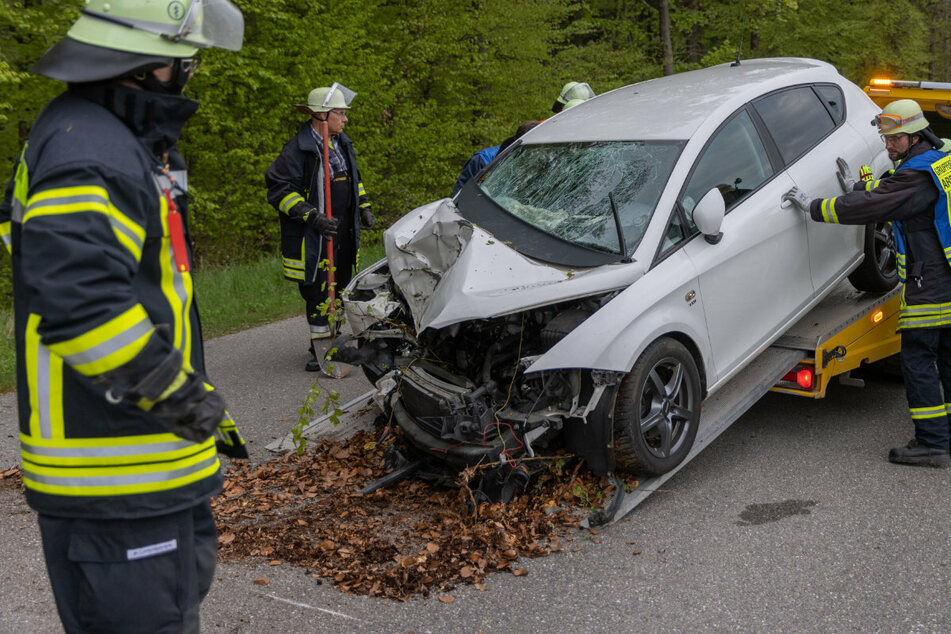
column 914, row 453
column 313, row 365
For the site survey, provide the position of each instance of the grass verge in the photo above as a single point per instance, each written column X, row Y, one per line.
column 231, row 299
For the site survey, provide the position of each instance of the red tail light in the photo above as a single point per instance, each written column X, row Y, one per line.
column 802, row 375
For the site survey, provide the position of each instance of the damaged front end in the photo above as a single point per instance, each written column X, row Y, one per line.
column 461, row 394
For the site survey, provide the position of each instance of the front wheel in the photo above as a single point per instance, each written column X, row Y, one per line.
column 658, row 409
column 878, row 272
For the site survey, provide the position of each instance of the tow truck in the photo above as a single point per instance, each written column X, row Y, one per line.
column 934, row 98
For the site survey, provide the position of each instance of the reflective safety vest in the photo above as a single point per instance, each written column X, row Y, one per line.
column 101, row 279
column 938, row 166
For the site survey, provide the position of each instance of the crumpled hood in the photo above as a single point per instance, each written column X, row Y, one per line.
column 450, row 271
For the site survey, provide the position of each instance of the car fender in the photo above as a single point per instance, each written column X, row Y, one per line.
column 664, row 301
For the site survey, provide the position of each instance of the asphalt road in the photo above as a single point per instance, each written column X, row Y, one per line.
column 791, row 521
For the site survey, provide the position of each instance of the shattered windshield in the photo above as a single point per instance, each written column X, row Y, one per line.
column 566, row 189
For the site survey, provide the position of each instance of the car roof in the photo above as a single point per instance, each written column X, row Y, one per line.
column 675, row 106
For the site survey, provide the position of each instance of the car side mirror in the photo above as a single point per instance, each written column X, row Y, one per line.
column 708, row 215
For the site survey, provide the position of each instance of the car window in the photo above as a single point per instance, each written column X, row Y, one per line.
column 735, row 162
column 567, row 189
column 796, row 120
column 834, row 99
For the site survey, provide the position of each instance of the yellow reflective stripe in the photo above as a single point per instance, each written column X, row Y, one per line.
column 923, row 322
column 919, row 413
column 297, row 264
column 71, row 481
column 44, row 371
column 360, row 190
column 108, row 345
column 21, row 186
column 101, row 452
column 828, row 211
column 5, row 228
column 289, row 201
column 177, row 287
column 294, row 274
column 88, row 198
column 926, row 309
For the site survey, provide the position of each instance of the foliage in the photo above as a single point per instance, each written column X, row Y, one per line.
column 438, row 80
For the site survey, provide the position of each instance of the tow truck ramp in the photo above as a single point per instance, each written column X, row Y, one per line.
column 719, row 412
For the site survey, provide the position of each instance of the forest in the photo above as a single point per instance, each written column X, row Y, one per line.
column 437, row 80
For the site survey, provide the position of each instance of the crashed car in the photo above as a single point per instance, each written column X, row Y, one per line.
column 615, row 267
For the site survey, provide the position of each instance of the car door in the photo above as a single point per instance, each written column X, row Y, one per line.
column 806, row 124
column 757, row 276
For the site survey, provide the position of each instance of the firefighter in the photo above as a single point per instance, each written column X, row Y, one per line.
column 295, row 187
column 914, row 197
column 117, row 420
column 571, row 90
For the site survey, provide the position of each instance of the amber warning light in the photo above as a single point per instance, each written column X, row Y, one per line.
column 880, row 81
column 878, row 316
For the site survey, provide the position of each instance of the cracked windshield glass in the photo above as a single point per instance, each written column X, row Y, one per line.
column 567, row 189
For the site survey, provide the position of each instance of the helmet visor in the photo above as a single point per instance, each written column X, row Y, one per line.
column 890, row 122
column 218, row 23
column 335, row 93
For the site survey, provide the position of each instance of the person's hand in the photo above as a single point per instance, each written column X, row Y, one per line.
column 865, row 174
column 366, row 218
column 798, row 198
column 844, row 173
column 194, row 411
column 327, row 227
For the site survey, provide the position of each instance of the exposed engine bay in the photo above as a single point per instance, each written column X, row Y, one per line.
column 461, row 394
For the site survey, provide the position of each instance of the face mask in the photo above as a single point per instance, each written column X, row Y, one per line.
column 182, row 70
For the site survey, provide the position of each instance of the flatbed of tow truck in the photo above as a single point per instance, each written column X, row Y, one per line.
column 844, row 331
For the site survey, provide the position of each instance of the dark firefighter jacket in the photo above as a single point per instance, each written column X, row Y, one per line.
column 295, row 176
column 102, row 286
column 915, row 201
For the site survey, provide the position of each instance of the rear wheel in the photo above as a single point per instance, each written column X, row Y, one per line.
column 658, row 409
column 878, row 272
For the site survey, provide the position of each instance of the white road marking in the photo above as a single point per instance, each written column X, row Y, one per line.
column 311, row 607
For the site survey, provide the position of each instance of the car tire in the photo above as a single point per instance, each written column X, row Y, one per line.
column 657, row 409
column 878, row 272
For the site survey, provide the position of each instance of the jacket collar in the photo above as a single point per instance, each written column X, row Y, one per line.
column 155, row 118
column 306, row 143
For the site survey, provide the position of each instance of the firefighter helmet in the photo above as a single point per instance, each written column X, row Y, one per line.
column 113, row 38
column 327, row 98
column 903, row 116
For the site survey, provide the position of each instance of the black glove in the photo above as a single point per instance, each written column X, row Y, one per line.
column 195, row 411
column 327, row 227
column 366, row 218
column 300, row 211
column 231, row 443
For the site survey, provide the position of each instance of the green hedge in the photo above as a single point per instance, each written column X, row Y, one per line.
column 439, row 80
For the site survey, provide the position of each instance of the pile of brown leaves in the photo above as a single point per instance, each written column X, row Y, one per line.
column 410, row 538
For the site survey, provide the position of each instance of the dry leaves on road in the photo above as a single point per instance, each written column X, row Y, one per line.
column 411, row 538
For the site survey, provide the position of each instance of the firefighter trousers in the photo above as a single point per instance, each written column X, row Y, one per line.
column 926, row 365
column 141, row 575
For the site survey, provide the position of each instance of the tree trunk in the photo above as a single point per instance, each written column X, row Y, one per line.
column 663, row 10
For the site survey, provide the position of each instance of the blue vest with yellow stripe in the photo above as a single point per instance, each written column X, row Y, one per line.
column 98, row 284
column 938, row 166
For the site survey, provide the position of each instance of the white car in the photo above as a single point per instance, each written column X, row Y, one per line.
column 616, row 266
